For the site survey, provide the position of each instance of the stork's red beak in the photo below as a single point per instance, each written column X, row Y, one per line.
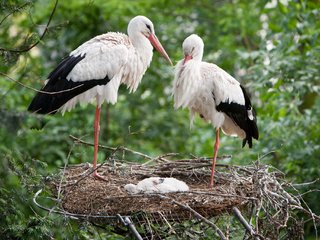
column 156, row 43
column 187, row 58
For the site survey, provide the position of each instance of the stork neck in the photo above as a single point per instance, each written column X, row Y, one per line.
column 143, row 47
column 198, row 56
column 138, row 62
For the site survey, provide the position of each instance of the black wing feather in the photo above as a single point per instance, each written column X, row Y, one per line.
column 254, row 132
column 45, row 103
column 239, row 114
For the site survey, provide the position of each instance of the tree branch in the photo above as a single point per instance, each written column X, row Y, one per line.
column 247, row 226
column 36, row 90
column 120, row 148
column 12, row 12
column 198, row 215
column 41, row 37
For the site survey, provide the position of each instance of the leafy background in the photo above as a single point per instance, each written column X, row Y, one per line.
column 271, row 47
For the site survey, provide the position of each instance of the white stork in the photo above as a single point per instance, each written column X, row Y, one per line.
column 95, row 70
column 215, row 95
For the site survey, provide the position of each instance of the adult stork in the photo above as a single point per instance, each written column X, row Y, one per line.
column 215, row 95
column 95, row 70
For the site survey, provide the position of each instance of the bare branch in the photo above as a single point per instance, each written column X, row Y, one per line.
column 39, row 40
column 305, row 184
column 36, row 90
column 218, row 231
column 247, row 226
column 120, row 148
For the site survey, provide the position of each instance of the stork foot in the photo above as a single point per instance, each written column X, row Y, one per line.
column 97, row 176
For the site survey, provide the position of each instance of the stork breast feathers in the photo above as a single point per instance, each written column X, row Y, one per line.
column 186, row 83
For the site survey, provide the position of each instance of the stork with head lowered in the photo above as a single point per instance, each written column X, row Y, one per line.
column 216, row 96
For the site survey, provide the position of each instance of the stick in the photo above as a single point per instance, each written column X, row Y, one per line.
column 198, row 215
column 238, row 214
column 36, row 90
column 305, row 184
column 78, row 140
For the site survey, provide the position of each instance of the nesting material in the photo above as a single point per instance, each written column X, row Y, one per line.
column 83, row 194
column 157, row 185
column 259, row 188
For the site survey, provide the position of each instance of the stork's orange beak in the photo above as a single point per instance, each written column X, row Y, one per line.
column 187, row 58
column 156, row 43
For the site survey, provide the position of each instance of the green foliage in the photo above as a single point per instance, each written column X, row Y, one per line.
column 273, row 49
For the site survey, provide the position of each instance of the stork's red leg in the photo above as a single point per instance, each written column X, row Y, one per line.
column 216, row 148
column 96, row 142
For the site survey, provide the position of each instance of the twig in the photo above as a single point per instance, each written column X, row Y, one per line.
column 12, row 12
column 120, row 148
column 313, row 216
column 198, row 215
column 161, row 157
column 220, row 195
column 305, row 184
column 36, row 90
column 310, row 191
column 238, row 214
column 41, row 37
column 127, row 222
column 310, row 213
column 266, row 154
column 63, row 173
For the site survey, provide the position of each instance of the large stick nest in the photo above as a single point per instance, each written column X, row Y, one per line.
column 259, row 191
column 85, row 195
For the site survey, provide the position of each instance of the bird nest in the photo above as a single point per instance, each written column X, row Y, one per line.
column 258, row 191
column 84, row 194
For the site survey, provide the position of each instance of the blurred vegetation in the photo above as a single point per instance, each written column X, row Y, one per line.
column 271, row 47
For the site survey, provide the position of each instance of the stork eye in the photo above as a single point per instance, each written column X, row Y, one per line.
column 149, row 27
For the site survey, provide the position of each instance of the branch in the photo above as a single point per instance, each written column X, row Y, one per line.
column 305, row 184
column 39, row 40
column 15, row 10
column 36, row 90
column 247, row 226
column 120, row 148
column 198, row 215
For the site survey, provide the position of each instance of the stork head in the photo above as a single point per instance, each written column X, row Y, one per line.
column 142, row 26
column 192, row 48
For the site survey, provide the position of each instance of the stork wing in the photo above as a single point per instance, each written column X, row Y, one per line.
column 231, row 98
column 95, row 62
column 105, row 55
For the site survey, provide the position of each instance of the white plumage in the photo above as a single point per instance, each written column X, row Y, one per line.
column 95, row 70
column 207, row 90
column 105, row 55
column 196, row 83
column 157, row 185
column 124, row 59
